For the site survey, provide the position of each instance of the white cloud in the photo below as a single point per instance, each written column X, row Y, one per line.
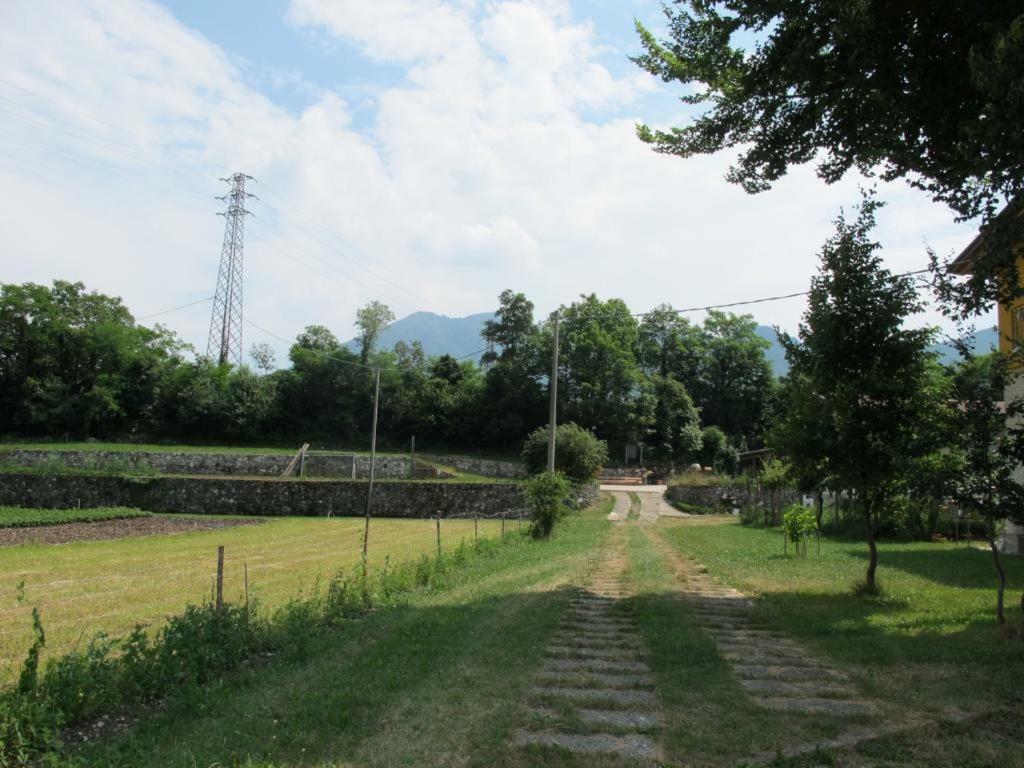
column 504, row 158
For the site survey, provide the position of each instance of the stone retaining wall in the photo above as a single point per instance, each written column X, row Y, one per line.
column 256, row 496
column 343, row 465
column 508, row 470
column 715, row 496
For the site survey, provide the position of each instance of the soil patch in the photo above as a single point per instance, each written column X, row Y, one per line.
column 100, row 530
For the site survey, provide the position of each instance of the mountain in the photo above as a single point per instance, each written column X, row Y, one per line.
column 459, row 336
column 985, row 339
column 439, row 334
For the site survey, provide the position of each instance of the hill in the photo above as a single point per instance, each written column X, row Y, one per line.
column 439, row 334
column 459, row 336
column 986, row 339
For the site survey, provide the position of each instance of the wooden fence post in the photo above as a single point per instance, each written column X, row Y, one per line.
column 220, row 577
column 438, row 534
column 476, row 531
column 503, row 525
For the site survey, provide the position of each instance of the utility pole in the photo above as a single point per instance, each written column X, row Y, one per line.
column 553, row 388
column 373, row 465
column 225, row 341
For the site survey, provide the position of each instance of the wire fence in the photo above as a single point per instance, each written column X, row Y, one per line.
column 111, row 586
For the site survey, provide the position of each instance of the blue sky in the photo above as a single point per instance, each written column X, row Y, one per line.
column 428, row 153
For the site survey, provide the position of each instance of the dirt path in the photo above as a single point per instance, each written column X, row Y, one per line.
column 594, row 693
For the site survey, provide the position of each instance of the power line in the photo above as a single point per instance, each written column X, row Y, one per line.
column 729, row 305
column 335, row 249
column 174, row 309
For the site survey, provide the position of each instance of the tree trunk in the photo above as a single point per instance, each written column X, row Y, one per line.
column 835, row 509
column 821, row 506
column 869, row 514
column 1000, row 613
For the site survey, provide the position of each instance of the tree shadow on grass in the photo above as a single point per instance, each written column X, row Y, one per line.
column 403, row 686
column 962, row 567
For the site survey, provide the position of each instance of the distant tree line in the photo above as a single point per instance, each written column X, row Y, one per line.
column 75, row 364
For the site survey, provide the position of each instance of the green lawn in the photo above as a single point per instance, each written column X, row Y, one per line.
column 435, row 681
column 929, row 644
column 84, row 587
column 19, row 517
column 440, row 679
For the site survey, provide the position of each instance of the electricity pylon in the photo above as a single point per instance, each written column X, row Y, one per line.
column 225, row 343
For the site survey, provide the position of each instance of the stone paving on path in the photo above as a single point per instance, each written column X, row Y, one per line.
column 594, row 693
column 777, row 672
column 623, row 504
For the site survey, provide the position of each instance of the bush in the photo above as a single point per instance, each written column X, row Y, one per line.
column 799, row 522
column 546, row 495
column 578, row 454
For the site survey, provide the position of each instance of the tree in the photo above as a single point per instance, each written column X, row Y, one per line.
column 928, row 92
column 736, row 378
column 991, row 442
column 263, row 356
column 75, row 362
column 867, row 372
column 674, row 435
column 578, row 454
column 600, row 381
column 511, row 328
column 670, row 345
column 371, row 321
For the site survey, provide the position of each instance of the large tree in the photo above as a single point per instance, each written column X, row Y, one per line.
column 601, row 384
column 930, row 92
column 371, row 321
column 862, row 372
column 736, row 380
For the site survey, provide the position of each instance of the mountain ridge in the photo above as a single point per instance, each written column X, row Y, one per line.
column 460, row 337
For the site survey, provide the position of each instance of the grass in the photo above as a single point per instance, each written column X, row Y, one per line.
column 440, row 678
column 709, row 720
column 18, row 517
column 85, row 587
column 435, row 681
column 928, row 644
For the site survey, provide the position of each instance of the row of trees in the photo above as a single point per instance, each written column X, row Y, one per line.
column 74, row 363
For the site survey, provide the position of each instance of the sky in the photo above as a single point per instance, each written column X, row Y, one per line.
column 426, row 153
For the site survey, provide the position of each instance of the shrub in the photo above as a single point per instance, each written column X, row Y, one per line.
column 546, row 495
column 799, row 522
column 578, row 454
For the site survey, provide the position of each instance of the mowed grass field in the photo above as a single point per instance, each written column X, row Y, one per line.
column 930, row 641
column 85, row 587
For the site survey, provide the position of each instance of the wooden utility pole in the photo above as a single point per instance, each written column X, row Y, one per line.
column 553, row 389
column 412, row 458
column 373, row 466
column 220, row 578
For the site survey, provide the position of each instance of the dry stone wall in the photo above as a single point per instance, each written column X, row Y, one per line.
column 342, row 465
column 724, row 496
column 507, row 470
column 254, row 496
